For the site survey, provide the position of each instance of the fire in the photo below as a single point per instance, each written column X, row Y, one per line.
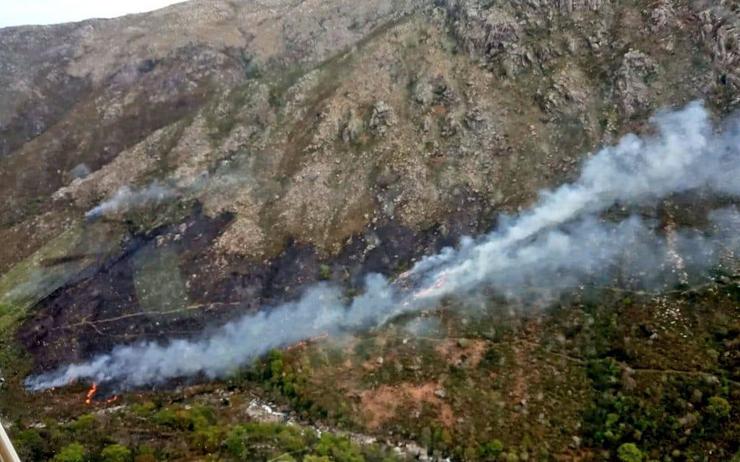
column 91, row 393
column 111, row 400
column 429, row 291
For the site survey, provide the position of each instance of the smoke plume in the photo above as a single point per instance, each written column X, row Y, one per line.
column 686, row 155
column 126, row 198
column 559, row 243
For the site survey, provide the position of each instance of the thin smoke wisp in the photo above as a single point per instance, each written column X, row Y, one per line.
column 126, row 198
column 560, row 242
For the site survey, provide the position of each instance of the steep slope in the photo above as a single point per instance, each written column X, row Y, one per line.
column 165, row 172
column 328, row 132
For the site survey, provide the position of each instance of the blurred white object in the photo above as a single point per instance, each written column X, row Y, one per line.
column 7, row 451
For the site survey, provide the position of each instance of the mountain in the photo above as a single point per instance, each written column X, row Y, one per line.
column 168, row 172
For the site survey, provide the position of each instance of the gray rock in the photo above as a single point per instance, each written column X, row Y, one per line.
column 381, row 118
column 632, row 83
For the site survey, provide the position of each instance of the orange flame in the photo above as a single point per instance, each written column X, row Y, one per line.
column 111, row 400
column 91, row 393
column 438, row 284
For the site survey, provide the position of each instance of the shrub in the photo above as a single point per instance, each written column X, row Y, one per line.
column 30, row 445
column 277, row 366
column 338, row 448
column 165, row 417
column 116, row 453
column 84, row 423
column 324, row 272
column 74, row 452
column 491, row 359
column 143, row 409
column 629, row 452
column 200, row 417
column 604, row 373
column 492, row 449
column 718, row 407
column 145, row 454
column 272, row 441
column 235, row 444
column 256, row 441
column 207, row 439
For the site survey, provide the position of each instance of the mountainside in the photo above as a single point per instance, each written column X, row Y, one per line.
column 166, row 173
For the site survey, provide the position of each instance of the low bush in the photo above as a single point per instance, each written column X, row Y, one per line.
column 74, row 452
column 629, row 452
column 116, row 453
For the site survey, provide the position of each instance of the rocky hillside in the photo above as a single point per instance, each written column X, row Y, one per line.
column 164, row 172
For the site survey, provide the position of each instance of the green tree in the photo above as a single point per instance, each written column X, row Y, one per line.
column 116, row 453
column 30, row 445
column 84, row 424
column 165, row 417
column 235, row 442
column 629, row 452
column 207, row 439
column 491, row 450
column 338, row 448
column 74, row 452
column 718, row 407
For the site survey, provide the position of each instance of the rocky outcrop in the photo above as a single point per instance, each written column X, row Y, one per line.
column 491, row 33
column 635, row 73
column 720, row 34
column 382, row 118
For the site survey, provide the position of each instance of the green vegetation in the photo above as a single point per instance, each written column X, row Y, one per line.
column 30, row 445
column 116, row 453
column 718, row 408
column 202, row 430
column 491, row 450
column 629, row 452
column 266, row 441
column 284, row 380
column 324, row 272
column 497, row 392
column 74, row 452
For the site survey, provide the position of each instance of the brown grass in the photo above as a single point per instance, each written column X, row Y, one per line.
column 384, row 403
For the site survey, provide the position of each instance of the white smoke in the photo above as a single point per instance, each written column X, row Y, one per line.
column 559, row 243
column 685, row 155
column 126, row 198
